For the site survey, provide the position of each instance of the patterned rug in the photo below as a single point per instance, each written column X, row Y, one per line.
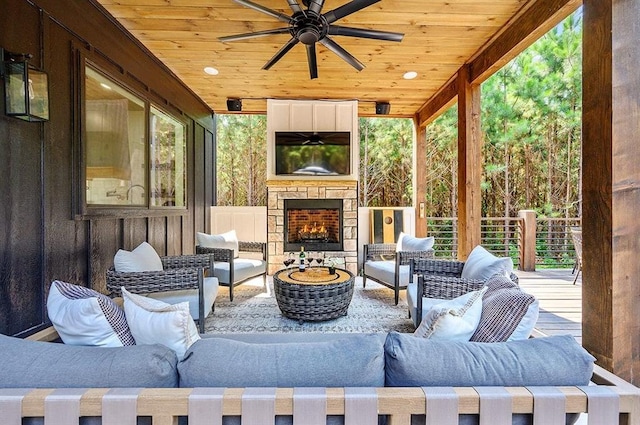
column 255, row 309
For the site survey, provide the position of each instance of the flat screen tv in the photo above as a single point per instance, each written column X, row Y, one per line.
column 322, row 153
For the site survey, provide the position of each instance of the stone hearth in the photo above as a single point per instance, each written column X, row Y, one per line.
column 279, row 190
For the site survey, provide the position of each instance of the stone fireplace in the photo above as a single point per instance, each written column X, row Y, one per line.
column 321, row 215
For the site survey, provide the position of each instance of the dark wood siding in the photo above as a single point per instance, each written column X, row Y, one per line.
column 43, row 234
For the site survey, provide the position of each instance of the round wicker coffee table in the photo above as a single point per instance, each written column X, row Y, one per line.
column 313, row 295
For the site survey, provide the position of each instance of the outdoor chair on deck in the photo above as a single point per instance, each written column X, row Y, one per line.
column 230, row 268
column 178, row 279
column 389, row 264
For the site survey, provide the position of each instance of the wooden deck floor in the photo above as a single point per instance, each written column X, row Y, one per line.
column 560, row 300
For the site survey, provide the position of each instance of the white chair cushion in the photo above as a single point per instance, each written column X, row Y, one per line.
column 481, row 264
column 412, row 301
column 228, row 240
column 411, row 243
column 453, row 320
column 210, row 287
column 142, row 259
column 385, row 271
column 156, row 322
column 243, row 268
column 82, row 316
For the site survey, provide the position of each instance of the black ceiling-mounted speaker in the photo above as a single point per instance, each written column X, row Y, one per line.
column 234, row 105
column 383, row 108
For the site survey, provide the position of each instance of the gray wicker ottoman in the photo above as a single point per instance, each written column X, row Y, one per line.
column 314, row 295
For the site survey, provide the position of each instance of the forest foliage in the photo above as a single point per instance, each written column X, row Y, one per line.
column 531, row 121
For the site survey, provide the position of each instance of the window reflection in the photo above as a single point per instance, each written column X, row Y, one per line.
column 114, row 143
column 117, row 170
column 168, row 160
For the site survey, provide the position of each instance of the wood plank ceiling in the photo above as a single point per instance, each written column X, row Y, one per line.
column 440, row 37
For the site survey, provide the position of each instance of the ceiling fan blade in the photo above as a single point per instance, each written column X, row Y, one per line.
column 346, row 56
column 347, row 9
column 295, row 7
column 364, row 33
column 315, row 6
column 249, row 35
column 251, row 5
column 313, row 63
column 283, row 51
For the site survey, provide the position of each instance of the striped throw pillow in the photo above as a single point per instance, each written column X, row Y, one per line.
column 83, row 316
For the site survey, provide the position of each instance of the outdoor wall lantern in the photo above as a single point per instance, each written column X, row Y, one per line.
column 26, row 88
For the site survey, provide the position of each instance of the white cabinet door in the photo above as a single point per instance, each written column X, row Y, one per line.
column 280, row 116
column 345, row 117
column 324, row 117
column 301, row 114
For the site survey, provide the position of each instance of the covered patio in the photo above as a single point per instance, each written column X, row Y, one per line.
column 160, row 48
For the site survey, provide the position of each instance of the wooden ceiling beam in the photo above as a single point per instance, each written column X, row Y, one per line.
column 519, row 34
column 438, row 103
column 523, row 30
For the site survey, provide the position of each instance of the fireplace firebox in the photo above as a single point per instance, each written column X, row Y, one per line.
column 315, row 224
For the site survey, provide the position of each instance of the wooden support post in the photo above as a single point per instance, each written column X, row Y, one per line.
column 528, row 240
column 611, row 185
column 469, row 164
column 420, row 179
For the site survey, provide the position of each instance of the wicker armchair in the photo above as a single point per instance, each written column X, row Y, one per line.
column 232, row 271
column 439, row 279
column 180, row 273
column 388, row 267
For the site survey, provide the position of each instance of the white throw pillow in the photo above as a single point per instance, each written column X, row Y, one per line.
column 142, row 259
column 156, row 322
column 453, row 320
column 481, row 265
column 82, row 316
column 227, row 240
column 411, row 243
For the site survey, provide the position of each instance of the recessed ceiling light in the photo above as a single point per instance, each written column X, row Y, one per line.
column 410, row 75
column 211, row 70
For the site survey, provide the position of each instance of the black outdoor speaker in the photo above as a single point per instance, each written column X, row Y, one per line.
column 234, row 105
column 382, row 108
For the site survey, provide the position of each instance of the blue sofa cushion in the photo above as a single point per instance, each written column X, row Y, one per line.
column 353, row 360
column 33, row 364
column 551, row 361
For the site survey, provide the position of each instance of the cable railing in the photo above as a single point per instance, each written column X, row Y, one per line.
column 554, row 246
column 503, row 236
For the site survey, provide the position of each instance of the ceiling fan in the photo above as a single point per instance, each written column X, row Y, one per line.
column 309, row 26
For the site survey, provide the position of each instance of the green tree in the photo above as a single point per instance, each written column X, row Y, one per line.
column 241, row 158
column 386, row 162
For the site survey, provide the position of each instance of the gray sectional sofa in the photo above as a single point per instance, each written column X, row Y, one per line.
column 281, row 378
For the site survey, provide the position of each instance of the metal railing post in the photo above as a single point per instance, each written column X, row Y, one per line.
column 528, row 240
